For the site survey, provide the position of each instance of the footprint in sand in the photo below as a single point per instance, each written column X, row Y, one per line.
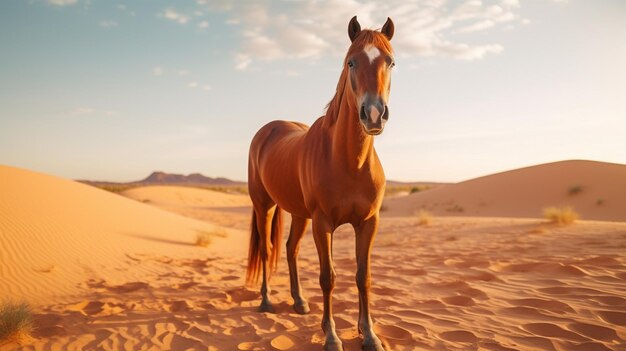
column 92, row 308
column 179, row 306
column 250, row 346
column 285, row 342
column 48, row 325
column 459, row 336
column 393, row 333
column 239, row 295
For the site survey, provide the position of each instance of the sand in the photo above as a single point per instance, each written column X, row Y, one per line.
column 596, row 190
column 460, row 283
column 58, row 234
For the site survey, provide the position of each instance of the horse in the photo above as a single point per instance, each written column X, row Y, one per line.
column 328, row 174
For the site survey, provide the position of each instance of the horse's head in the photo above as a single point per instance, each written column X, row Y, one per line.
column 369, row 62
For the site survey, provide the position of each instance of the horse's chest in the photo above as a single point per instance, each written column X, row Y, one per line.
column 346, row 199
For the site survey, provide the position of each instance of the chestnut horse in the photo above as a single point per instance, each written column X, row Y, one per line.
column 329, row 173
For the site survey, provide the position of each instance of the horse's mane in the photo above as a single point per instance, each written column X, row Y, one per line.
column 364, row 37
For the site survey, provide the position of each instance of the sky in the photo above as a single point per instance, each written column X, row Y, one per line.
column 113, row 90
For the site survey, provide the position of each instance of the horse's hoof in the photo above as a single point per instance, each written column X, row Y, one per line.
column 373, row 347
column 266, row 307
column 333, row 346
column 301, row 307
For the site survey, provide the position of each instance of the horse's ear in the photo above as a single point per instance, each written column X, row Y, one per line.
column 388, row 28
column 353, row 28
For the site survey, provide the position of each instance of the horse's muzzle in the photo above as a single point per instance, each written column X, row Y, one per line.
column 373, row 117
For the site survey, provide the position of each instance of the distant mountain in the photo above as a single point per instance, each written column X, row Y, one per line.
column 194, row 178
column 162, row 178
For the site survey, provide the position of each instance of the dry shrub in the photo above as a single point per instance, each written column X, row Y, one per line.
column 575, row 189
column 16, row 321
column 203, row 239
column 560, row 215
column 424, row 217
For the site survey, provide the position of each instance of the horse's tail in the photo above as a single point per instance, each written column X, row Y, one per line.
column 273, row 245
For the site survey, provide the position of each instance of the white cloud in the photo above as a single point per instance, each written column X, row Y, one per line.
column 203, row 24
column 108, row 24
column 62, row 2
column 172, row 15
column 183, row 72
column 192, row 84
column 311, row 29
column 206, row 87
column 157, row 71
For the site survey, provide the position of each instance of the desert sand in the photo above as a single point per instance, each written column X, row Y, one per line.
column 596, row 190
column 103, row 271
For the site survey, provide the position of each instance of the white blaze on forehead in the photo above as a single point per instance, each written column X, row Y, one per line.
column 372, row 52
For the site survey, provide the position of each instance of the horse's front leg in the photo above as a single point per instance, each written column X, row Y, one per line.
column 365, row 234
column 322, row 233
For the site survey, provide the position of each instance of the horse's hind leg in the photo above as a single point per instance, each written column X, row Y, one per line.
column 298, row 227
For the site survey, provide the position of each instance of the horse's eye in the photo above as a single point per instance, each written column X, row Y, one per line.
column 350, row 64
column 393, row 63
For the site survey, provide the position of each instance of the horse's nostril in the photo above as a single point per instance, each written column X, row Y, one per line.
column 362, row 114
column 385, row 113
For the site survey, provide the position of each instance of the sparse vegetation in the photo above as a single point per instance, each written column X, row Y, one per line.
column 600, row 202
column 392, row 190
column 455, row 208
column 417, row 189
column 16, row 321
column 424, row 217
column 560, row 215
column 203, row 239
column 575, row 189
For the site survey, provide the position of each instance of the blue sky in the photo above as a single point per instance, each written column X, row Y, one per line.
column 113, row 90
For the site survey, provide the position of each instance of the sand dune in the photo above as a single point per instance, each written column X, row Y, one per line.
column 206, row 205
column 57, row 234
column 596, row 190
column 460, row 283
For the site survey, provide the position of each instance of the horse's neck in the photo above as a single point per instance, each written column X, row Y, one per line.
column 350, row 143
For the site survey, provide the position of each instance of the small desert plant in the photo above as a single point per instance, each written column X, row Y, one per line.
column 16, row 321
column 600, row 202
column 561, row 216
column 203, row 239
column 424, row 217
column 415, row 189
column 575, row 189
column 455, row 208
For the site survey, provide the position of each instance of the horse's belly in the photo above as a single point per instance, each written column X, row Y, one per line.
column 280, row 175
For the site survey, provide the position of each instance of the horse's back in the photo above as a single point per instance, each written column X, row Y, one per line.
column 273, row 166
